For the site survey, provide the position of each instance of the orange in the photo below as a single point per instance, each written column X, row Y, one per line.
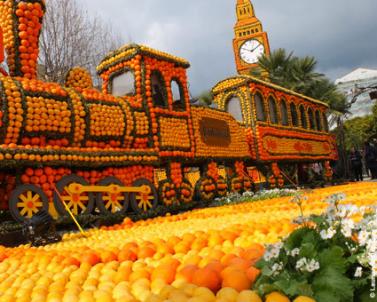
column 253, row 273
column 206, row 277
column 90, row 258
column 146, row 252
column 187, row 273
column 164, row 272
column 276, row 297
column 236, row 278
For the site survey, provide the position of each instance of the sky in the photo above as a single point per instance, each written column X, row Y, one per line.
column 340, row 34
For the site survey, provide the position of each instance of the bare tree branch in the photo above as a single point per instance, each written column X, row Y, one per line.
column 70, row 37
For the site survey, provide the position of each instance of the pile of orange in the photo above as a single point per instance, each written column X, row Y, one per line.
column 203, row 255
column 15, row 115
column 29, row 26
column 47, row 115
column 79, row 78
column 106, row 121
column 142, row 123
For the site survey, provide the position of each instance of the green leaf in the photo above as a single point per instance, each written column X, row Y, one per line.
column 327, row 296
column 308, row 250
column 294, row 288
column 296, row 237
column 333, row 258
column 331, row 282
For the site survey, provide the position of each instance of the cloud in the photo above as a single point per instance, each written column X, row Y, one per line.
column 339, row 33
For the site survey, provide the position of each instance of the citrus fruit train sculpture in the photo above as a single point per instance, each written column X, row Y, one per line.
column 140, row 142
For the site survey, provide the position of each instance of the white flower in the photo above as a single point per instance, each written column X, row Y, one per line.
column 273, row 251
column 359, row 272
column 328, row 234
column 301, row 263
column 295, row 252
column 312, row 266
column 363, row 237
column 347, row 227
column 277, row 267
column 307, row 265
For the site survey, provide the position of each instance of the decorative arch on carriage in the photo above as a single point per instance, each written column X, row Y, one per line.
column 318, row 120
column 233, row 105
column 260, row 108
column 273, row 110
column 325, row 122
column 312, row 123
column 294, row 114
column 303, row 117
column 284, row 112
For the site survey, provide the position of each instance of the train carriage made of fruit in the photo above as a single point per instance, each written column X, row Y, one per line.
column 136, row 144
column 284, row 129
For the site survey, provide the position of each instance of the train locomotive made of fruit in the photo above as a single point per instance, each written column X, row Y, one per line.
column 139, row 142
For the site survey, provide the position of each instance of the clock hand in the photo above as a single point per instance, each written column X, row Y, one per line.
column 252, row 50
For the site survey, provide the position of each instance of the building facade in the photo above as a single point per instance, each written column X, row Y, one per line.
column 359, row 78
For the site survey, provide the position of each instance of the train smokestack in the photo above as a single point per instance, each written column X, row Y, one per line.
column 21, row 22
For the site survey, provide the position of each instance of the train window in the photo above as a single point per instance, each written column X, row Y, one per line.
column 273, row 110
column 259, row 107
column 158, row 89
column 325, row 122
column 304, row 122
column 234, row 108
column 318, row 120
column 123, row 84
column 284, row 113
column 311, row 119
column 294, row 115
column 178, row 96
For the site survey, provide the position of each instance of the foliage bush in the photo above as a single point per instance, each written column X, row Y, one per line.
column 329, row 258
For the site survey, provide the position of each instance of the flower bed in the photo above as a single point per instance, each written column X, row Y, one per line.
column 203, row 255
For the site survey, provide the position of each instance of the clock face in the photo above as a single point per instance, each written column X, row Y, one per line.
column 251, row 50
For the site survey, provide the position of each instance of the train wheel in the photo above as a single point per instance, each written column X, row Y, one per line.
column 77, row 203
column 222, row 187
column 206, row 189
column 236, row 184
column 167, row 192
column 142, row 203
column 185, row 192
column 112, row 201
column 27, row 200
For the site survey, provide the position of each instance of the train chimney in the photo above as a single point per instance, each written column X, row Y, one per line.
column 21, row 22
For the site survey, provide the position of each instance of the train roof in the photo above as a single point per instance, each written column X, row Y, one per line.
column 129, row 51
column 241, row 80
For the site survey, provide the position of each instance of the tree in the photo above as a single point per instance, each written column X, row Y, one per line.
column 358, row 130
column 71, row 38
column 298, row 74
column 205, row 99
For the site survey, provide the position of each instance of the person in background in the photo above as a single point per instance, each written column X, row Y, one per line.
column 370, row 154
column 356, row 164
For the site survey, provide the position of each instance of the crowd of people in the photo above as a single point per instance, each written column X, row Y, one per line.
column 369, row 156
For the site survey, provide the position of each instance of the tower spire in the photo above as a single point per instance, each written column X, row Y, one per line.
column 244, row 9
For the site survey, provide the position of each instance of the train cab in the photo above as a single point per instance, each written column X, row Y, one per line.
column 154, row 83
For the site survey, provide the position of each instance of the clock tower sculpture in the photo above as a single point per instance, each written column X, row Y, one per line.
column 250, row 40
